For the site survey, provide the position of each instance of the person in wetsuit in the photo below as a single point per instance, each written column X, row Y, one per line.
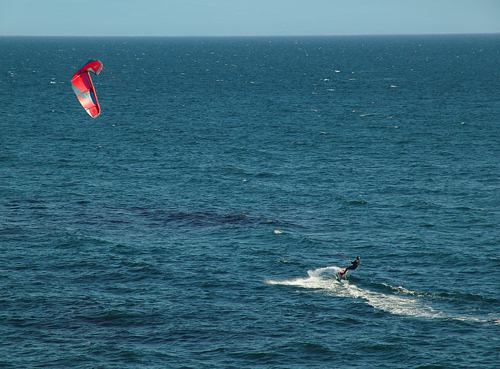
column 354, row 265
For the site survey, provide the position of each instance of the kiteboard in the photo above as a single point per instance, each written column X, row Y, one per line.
column 342, row 272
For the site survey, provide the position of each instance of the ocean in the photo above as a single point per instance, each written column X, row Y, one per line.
column 202, row 219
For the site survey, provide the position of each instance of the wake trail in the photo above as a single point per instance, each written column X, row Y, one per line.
column 398, row 301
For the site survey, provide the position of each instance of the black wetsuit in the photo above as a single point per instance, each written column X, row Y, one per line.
column 354, row 265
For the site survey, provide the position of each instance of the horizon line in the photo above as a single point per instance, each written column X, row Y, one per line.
column 261, row 36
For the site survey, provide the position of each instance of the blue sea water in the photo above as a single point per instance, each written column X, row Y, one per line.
column 201, row 220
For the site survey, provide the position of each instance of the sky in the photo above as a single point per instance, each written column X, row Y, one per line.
column 246, row 17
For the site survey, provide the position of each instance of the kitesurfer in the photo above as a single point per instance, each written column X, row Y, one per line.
column 354, row 265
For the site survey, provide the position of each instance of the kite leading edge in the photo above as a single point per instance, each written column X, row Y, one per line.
column 84, row 88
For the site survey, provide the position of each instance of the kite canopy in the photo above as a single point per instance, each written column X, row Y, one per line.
column 84, row 89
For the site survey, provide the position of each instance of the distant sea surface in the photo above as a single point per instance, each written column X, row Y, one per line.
column 201, row 220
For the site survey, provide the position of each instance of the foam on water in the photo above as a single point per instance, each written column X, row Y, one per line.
column 399, row 301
